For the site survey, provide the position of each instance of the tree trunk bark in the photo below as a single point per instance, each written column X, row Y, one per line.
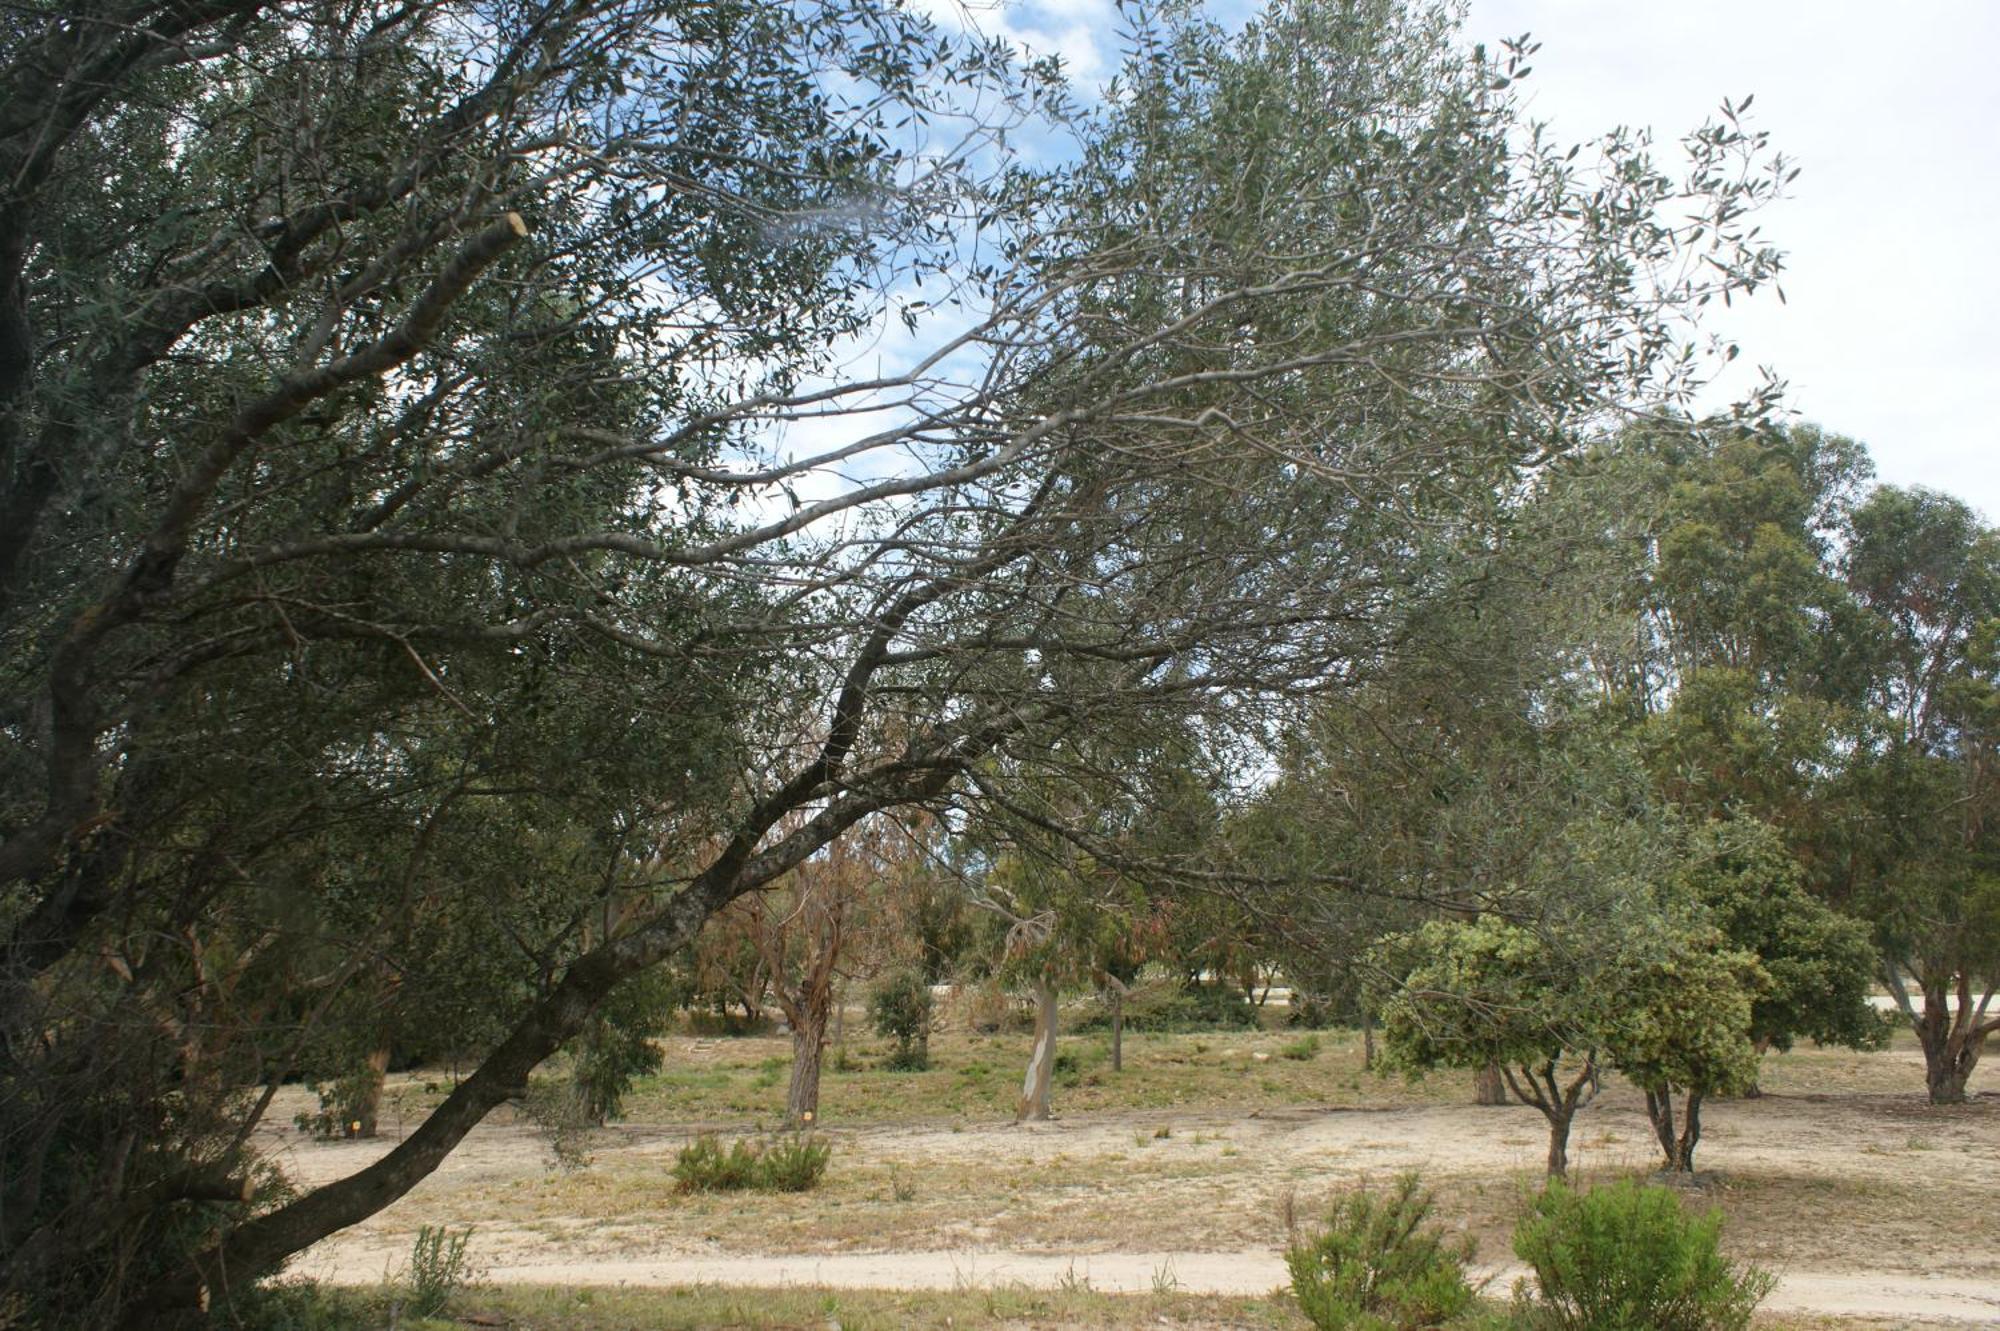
column 1660, row 1111
column 1690, row 1135
column 1117, row 1029
column 1676, row 1149
column 1042, row 1059
column 808, row 1045
column 1952, row 1044
column 1489, row 1087
column 1367, row 1040
column 1947, row 1070
column 368, row 1106
column 1559, row 1121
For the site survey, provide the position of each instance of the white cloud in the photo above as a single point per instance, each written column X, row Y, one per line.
column 1891, row 114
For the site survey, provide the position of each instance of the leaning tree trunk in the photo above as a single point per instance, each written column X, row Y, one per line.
column 1042, row 1059
column 1489, row 1086
column 808, row 1047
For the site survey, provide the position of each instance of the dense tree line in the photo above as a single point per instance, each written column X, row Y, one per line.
column 1721, row 711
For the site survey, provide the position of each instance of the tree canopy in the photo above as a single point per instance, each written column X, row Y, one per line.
column 450, row 547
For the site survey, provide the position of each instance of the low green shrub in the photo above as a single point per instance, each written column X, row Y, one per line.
column 1161, row 1006
column 792, row 1163
column 1302, row 1050
column 704, row 1166
column 1377, row 1266
column 1626, row 1257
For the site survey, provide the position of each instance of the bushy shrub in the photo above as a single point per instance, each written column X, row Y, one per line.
column 900, row 1008
column 1626, row 1257
column 1376, row 1266
column 617, row 1047
column 1302, row 1050
column 792, row 1163
column 704, row 1166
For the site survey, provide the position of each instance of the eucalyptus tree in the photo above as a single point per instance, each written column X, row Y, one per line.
column 1922, row 783
column 417, row 418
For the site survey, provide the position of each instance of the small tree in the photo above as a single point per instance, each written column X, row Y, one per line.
column 1819, row 964
column 1667, row 1002
column 1487, row 992
column 801, row 932
column 1683, row 1027
column 900, row 1008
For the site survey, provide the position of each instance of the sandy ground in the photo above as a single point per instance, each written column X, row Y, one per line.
column 1864, row 1204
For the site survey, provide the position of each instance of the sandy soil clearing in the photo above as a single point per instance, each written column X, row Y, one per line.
column 1838, row 1194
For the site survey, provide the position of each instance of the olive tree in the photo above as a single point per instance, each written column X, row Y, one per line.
column 416, row 417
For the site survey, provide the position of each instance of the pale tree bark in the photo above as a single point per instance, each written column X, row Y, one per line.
column 1034, row 1103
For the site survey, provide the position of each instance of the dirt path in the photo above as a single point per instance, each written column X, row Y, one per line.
column 1912, row 1299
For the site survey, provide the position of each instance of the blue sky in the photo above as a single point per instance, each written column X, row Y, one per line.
column 1893, row 115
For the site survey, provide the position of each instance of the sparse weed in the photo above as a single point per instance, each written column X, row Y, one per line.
column 439, row 1268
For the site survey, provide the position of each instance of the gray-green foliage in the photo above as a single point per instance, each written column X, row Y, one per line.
column 1378, row 1264
column 413, row 625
